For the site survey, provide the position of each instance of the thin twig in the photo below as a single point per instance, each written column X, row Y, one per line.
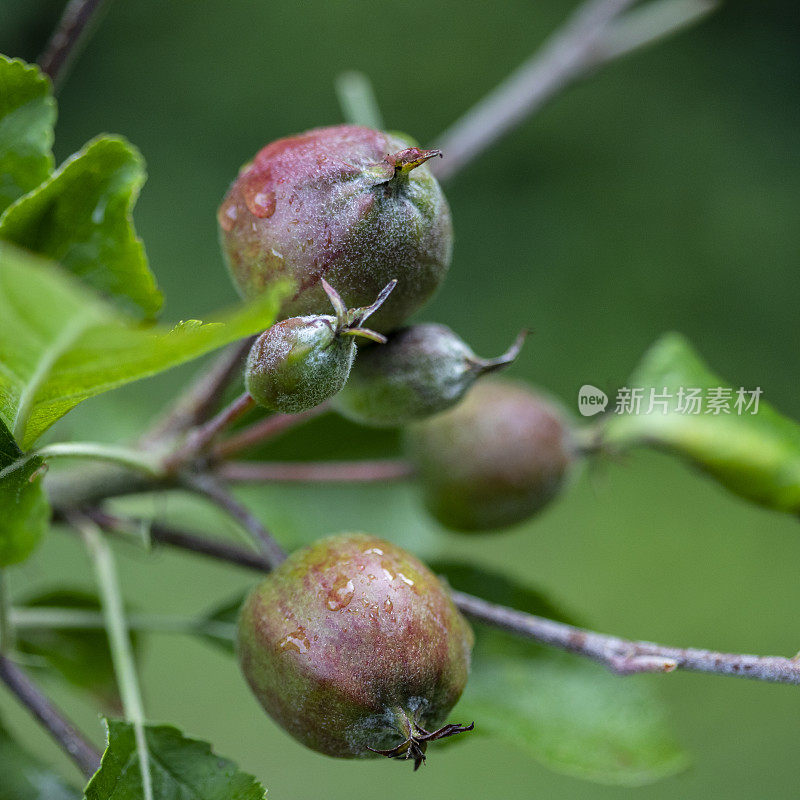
column 622, row 656
column 119, row 641
column 593, row 36
column 200, row 438
column 63, row 731
column 203, row 396
column 184, row 540
column 70, row 35
column 656, row 20
column 263, row 431
column 207, row 486
column 315, row 472
column 625, row 657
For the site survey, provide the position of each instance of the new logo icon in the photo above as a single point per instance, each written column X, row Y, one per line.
column 591, row 400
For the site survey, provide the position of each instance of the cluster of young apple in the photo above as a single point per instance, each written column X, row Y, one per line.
column 352, row 645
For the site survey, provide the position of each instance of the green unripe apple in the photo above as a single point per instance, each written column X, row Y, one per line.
column 421, row 370
column 494, row 460
column 300, row 362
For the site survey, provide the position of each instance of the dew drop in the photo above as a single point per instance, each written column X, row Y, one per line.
column 341, row 594
column 259, row 203
column 405, row 579
column 388, row 575
column 388, row 606
column 376, row 550
column 226, row 215
column 296, row 641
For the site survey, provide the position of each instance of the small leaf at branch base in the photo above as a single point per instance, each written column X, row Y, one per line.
column 61, row 344
column 566, row 711
column 27, row 116
column 756, row 456
column 24, row 510
column 226, row 613
column 81, row 217
column 179, row 767
column 22, row 777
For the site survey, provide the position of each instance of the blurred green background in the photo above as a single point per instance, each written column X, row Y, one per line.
column 661, row 194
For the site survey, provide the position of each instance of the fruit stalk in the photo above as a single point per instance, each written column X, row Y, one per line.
column 198, row 402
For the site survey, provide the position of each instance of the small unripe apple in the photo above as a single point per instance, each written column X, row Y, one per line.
column 300, row 362
column 355, row 648
column 421, row 370
column 495, row 459
column 353, row 205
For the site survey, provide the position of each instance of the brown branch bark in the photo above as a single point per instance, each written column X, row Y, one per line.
column 314, row 472
column 263, row 431
column 196, row 405
column 71, row 33
column 208, row 487
column 202, row 436
column 183, row 540
column 56, row 724
column 624, row 656
column 597, row 33
column 621, row 656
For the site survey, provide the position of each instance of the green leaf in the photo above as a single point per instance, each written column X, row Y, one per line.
column 574, row 717
column 500, row 589
column 25, row 510
column 27, row 116
column 61, row 344
column 566, row 711
column 81, row 217
column 179, row 767
column 227, row 613
column 25, row 778
column 82, row 656
column 756, row 456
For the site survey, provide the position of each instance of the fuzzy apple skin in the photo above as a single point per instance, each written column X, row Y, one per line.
column 349, row 640
column 494, row 460
column 326, row 204
column 298, row 363
column 421, row 370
